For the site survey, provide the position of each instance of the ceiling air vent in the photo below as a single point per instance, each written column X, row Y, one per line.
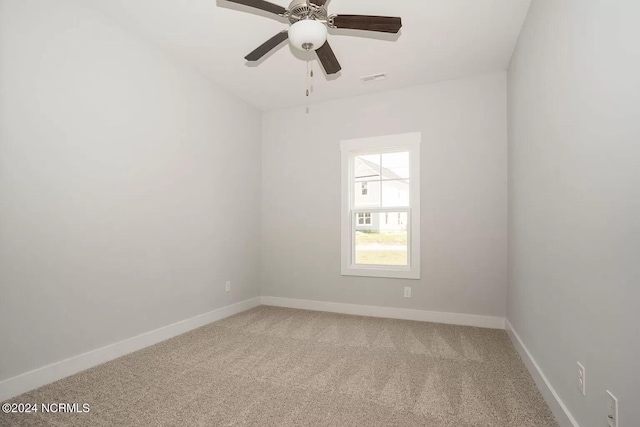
column 374, row 78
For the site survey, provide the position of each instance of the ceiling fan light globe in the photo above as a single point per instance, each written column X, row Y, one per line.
column 307, row 32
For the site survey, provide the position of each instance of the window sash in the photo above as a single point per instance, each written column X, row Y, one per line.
column 354, row 224
column 353, row 180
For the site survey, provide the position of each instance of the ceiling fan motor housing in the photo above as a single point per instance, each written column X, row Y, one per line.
column 299, row 10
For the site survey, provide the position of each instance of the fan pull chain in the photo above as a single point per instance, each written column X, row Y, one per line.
column 309, row 75
column 308, row 78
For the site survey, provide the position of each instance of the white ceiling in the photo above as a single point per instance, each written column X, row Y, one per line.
column 440, row 39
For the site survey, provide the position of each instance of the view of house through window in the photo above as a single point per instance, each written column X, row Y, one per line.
column 380, row 234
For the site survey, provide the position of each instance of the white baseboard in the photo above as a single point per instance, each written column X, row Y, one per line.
column 559, row 409
column 389, row 312
column 33, row 379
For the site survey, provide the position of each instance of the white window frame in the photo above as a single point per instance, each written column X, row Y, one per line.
column 351, row 148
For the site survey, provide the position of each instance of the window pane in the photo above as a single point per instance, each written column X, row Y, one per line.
column 395, row 193
column 367, row 168
column 382, row 241
column 395, row 165
column 366, row 194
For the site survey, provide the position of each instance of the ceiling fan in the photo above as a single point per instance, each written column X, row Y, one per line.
column 308, row 31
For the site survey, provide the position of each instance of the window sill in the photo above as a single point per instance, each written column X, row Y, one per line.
column 383, row 272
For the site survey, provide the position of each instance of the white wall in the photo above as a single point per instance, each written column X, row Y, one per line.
column 574, row 196
column 129, row 193
column 463, row 196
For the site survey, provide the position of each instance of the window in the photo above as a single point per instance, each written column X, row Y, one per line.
column 364, row 218
column 381, row 206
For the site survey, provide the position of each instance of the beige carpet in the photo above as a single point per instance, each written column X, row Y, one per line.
column 282, row 367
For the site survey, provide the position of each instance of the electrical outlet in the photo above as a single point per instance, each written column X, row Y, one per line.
column 407, row 292
column 582, row 379
column 227, row 286
column 612, row 410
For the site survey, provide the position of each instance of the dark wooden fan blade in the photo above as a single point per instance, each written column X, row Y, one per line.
column 267, row 46
column 318, row 2
column 384, row 24
column 263, row 5
column 328, row 59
